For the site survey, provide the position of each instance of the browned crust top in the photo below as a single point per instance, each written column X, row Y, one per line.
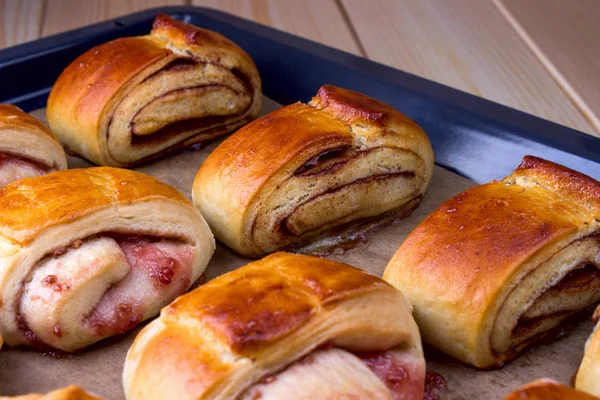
column 568, row 183
column 89, row 82
column 268, row 299
column 184, row 35
column 354, row 107
column 32, row 205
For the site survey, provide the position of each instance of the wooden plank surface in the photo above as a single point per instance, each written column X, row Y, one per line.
column 318, row 20
column 466, row 44
column 539, row 56
column 86, row 12
column 566, row 38
column 20, row 21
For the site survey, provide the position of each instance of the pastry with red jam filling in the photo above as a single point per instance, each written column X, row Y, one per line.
column 90, row 253
column 287, row 326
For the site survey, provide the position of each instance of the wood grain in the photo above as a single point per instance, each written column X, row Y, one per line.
column 86, row 12
column 20, row 21
column 466, row 44
column 566, row 38
column 318, row 20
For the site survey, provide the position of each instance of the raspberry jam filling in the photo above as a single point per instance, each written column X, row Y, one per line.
column 401, row 373
column 133, row 276
column 160, row 269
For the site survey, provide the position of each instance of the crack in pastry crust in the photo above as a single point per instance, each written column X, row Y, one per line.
column 296, row 174
column 276, row 325
column 135, row 99
column 504, row 264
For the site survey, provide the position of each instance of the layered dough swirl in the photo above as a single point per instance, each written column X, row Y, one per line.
column 71, row 392
column 138, row 98
column 308, row 170
column 27, row 148
column 86, row 254
column 287, row 326
column 501, row 265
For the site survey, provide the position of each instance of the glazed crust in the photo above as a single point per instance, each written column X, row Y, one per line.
column 71, row 392
column 104, row 89
column 23, row 136
column 547, row 389
column 54, row 211
column 242, row 326
column 34, row 205
column 238, row 177
column 500, row 252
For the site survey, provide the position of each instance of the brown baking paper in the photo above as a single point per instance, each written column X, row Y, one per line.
column 98, row 368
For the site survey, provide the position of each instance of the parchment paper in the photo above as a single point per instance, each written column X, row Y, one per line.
column 98, row 368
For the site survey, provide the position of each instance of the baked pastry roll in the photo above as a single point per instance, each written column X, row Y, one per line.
column 501, row 265
column 311, row 170
column 287, row 326
column 27, row 148
column 90, row 253
column 138, row 98
column 71, row 392
column 588, row 374
column 547, row 389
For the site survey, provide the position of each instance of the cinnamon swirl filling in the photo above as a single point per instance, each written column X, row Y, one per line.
column 134, row 99
column 185, row 99
column 538, row 305
column 337, row 188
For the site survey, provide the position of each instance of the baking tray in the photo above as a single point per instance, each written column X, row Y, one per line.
column 475, row 138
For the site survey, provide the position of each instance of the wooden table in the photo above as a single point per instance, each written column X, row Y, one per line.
column 539, row 56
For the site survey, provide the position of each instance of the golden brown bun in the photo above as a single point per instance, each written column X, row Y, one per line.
column 304, row 170
column 588, row 374
column 497, row 267
column 547, row 389
column 69, row 273
column 138, row 98
column 28, row 142
column 229, row 334
column 71, row 392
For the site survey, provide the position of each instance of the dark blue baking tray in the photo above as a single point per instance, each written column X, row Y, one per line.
column 476, row 138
